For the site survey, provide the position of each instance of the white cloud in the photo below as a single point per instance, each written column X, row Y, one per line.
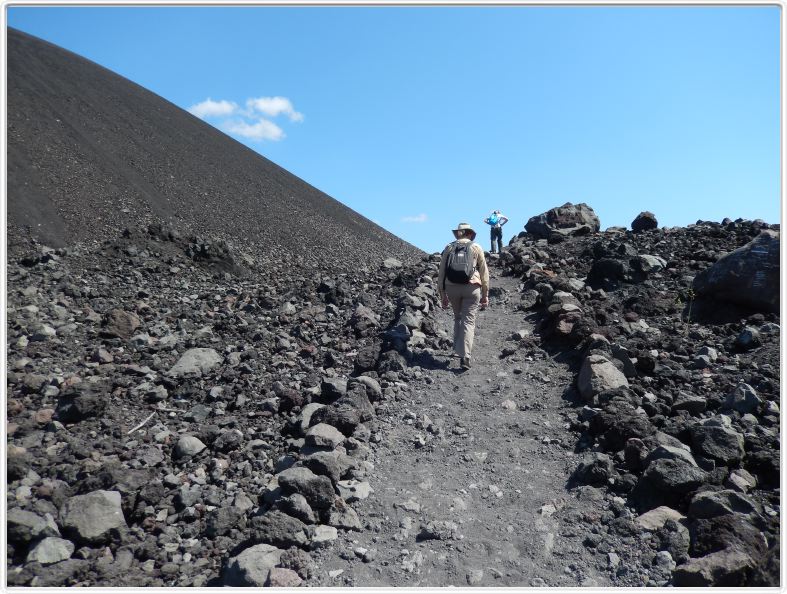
column 421, row 218
column 262, row 129
column 210, row 108
column 274, row 106
column 250, row 122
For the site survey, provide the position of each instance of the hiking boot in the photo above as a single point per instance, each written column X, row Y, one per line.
column 465, row 362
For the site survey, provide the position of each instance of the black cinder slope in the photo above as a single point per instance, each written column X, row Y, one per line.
column 91, row 153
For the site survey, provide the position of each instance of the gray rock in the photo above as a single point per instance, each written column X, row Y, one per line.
column 439, row 530
column 324, row 463
column 748, row 339
column 650, row 264
column 475, row 577
column 195, row 362
column 252, row 566
column 305, row 416
column 51, row 550
column 187, row 446
column 352, row 490
column 740, row 480
column 120, row 324
column 94, row 517
column 673, row 476
column 81, row 402
column 347, row 412
column 723, row 444
column 670, row 453
column 598, row 374
column 392, row 264
column 322, row 536
column 644, row 221
column 709, row 352
column 373, row 390
column 42, row 333
column 278, row 529
column 748, row 276
column 24, row 526
column 568, row 219
column 318, row 490
column 743, row 399
column 656, row 518
column 296, row 506
column 280, row 577
column 709, row 504
column 595, row 470
column 333, row 388
column 323, row 435
column 222, row 520
column 727, row 567
column 693, row 403
column 344, row 517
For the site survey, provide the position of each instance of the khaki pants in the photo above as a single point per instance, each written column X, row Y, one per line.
column 464, row 301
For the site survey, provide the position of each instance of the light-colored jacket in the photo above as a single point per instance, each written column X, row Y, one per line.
column 480, row 275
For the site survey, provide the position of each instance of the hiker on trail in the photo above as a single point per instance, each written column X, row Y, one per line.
column 463, row 282
column 496, row 220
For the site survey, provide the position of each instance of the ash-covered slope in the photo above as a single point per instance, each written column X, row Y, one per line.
column 91, row 153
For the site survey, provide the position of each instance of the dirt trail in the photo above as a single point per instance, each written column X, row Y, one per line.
column 468, row 489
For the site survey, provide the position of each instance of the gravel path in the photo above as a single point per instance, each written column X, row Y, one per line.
column 469, row 474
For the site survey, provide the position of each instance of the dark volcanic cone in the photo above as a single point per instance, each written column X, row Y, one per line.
column 91, row 153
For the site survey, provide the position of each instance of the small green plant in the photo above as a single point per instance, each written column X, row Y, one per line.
column 690, row 295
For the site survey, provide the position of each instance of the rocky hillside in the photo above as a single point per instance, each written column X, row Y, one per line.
column 674, row 336
column 91, row 153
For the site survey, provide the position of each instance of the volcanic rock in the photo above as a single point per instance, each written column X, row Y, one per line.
column 51, row 550
column 748, row 275
column 645, row 221
column 25, row 526
column 195, row 362
column 94, row 517
column 718, row 442
column 721, row 568
column 187, row 446
column 322, row 435
column 709, row 504
column 278, row 529
column 252, row 566
column 120, row 324
column 673, row 476
column 598, row 374
column 568, row 219
column 317, row 490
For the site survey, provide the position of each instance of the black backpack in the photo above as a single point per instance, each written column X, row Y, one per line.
column 460, row 266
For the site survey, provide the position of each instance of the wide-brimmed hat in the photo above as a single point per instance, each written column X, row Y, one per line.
column 463, row 227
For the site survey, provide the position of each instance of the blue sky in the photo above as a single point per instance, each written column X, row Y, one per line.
column 422, row 117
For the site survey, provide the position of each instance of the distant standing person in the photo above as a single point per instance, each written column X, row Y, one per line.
column 496, row 220
column 463, row 281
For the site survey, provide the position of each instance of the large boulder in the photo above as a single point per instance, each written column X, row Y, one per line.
column 569, row 219
column 748, row 276
column 645, row 221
